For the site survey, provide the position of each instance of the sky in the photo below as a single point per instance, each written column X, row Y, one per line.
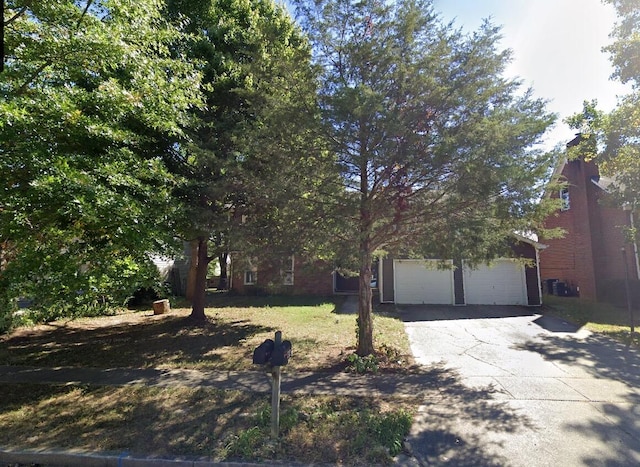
column 556, row 47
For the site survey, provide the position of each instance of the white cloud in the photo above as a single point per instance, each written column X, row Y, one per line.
column 557, row 49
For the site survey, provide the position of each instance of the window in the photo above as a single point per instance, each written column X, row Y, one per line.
column 287, row 271
column 250, row 277
column 251, row 273
column 564, row 199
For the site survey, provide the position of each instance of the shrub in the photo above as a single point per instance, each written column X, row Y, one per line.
column 362, row 365
column 391, row 429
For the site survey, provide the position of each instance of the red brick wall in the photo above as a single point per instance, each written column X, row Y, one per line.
column 589, row 253
column 309, row 278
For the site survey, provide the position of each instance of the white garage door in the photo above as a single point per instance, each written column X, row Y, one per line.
column 502, row 283
column 420, row 282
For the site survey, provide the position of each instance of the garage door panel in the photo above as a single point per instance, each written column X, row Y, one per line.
column 502, row 283
column 420, row 282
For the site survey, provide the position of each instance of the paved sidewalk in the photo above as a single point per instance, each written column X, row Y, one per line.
column 251, row 381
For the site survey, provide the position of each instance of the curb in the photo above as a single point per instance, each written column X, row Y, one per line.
column 65, row 458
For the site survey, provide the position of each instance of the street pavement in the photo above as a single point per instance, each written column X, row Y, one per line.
column 524, row 390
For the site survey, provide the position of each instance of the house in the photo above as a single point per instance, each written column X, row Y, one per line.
column 589, row 261
column 292, row 275
column 506, row 281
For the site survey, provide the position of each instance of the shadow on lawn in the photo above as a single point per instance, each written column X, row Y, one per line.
column 171, row 340
column 196, row 422
column 138, row 420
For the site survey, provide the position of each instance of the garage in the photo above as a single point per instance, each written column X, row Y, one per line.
column 512, row 280
column 501, row 283
column 421, row 282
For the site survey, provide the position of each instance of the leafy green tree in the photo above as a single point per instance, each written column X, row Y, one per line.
column 611, row 139
column 434, row 144
column 92, row 99
column 251, row 153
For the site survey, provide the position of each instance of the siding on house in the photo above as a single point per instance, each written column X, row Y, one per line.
column 589, row 254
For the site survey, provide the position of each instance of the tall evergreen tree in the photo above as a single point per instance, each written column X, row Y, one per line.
column 251, row 151
column 434, row 144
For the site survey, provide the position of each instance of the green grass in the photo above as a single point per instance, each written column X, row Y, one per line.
column 596, row 317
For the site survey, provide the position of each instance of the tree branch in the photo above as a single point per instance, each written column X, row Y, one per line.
column 84, row 13
column 17, row 15
column 33, row 76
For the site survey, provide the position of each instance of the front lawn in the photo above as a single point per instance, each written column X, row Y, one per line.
column 596, row 317
column 322, row 338
column 202, row 423
column 205, row 422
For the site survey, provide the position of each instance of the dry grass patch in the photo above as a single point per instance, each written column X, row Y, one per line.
column 218, row 425
column 322, row 339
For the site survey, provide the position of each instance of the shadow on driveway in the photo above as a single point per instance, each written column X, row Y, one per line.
column 597, row 355
column 440, row 434
column 416, row 313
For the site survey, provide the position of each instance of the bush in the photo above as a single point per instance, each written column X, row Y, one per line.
column 391, row 429
column 362, row 365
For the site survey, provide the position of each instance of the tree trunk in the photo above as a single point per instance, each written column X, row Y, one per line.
column 365, row 316
column 222, row 259
column 200, row 288
column 193, row 270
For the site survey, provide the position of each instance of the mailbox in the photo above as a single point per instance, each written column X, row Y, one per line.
column 280, row 355
column 262, row 354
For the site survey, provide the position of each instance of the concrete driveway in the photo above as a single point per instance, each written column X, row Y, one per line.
column 521, row 389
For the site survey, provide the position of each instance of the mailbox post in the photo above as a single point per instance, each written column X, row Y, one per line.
column 275, row 391
column 274, row 353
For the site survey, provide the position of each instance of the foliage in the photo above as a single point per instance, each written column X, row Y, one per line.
column 244, row 445
column 248, row 170
column 612, row 139
column 91, row 100
column 391, row 429
column 436, row 148
column 372, row 430
column 362, row 365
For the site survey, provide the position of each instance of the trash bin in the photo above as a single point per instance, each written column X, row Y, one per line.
column 548, row 286
column 560, row 289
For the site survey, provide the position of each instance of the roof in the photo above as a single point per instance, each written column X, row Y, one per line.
column 528, row 239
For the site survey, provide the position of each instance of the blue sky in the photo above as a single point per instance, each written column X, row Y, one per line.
column 556, row 49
